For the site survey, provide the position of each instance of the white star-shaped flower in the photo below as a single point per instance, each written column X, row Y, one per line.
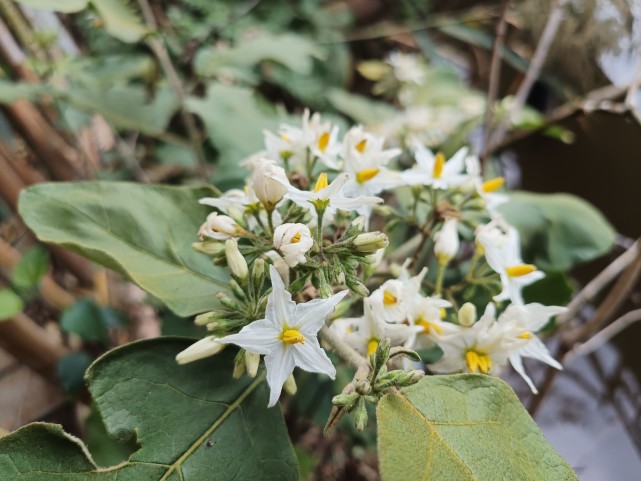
column 287, row 335
column 435, row 171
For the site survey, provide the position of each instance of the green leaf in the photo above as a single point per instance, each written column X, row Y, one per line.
column 10, row 304
column 71, row 371
column 120, row 20
column 142, row 231
column 359, row 108
column 193, row 423
column 105, row 450
column 463, row 427
column 555, row 289
column 66, row 6
column 32, row 266
column 84, row 318
column 558, row 231
column 10, row 91
column 290, row 50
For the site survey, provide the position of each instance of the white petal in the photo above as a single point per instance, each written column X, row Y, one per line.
column 279, row 365
column 456, row 163
column 537, row 350
column 280, row 306
column 310, row 317
column 517, row 364
column 312, row 358
column 260, row 337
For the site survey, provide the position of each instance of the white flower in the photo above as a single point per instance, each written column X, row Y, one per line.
column 219, row 227
column 426, row 314
column 481, row 347
column 434, row 170
column 364, row 333
column 322, row 139
column 446, row 241
column 406, row 67
column 391, row 301
column 233, row 202
column 293, row 241
column 269, row 182
column 287, row 336
column 206, row 347
column 329, row 197
column 280, row 265
column 487, row 190
column 365, row 161
column 522, row 322
column 502, row 251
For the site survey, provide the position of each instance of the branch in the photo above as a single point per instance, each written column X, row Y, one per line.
column 344, row 350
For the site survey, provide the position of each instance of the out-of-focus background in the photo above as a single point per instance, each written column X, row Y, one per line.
column 179, row 92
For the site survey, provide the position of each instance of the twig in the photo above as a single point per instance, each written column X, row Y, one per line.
column 532, row 73
column 495, row 77
column 603, row 336
column 160, row 51
column 614, row 300
column 595, row 286
column 344, row 350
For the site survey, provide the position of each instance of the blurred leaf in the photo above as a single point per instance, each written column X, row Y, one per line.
column 10, row 91
column 463, row 427
column 430, row 354
column 307, row 462
column 555, row 289
column 290, row 50
column 192, row 422
column 235, row 121
column 558, row 231
column 120, row 20
column 112, row 318
column 126, row 227
column 173, row 325
column 173, row 154
column 32, row 266
column 10, row 304
column 84, row 319
column 105, row 450
column 105, row 71
column 359, row 108
column 66, row 6
column 71, row 371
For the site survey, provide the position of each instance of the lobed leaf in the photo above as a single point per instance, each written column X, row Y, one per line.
column 142, row 231
column 463, row 427
column 192, row 423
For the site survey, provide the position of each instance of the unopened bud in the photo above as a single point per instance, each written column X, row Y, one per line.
column 370, row 242
column 227, row 301
column 239, row 368
column 205, row 318
column 252, row 360
column 212, row 248
column 348, row 401
column 446, row 241
column 290, row 385
column 235, row 260
column 363, row 387
column 356, row 286
column 359, row 223
column 220, row 227
column 360, row 415
column 270, row 183
column 258, row 274
column 237, row 290
column 467, row 314
column 206, row 347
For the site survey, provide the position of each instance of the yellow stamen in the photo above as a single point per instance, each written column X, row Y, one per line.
column 295, row 238
column 323, row 141
column 292, row 336
column 478, row 362
column 439, row 162
column 284, row 138
column 429, row 326
column 366, row 174
column 492, row 185
column 442, row 312
column 389, row 299
column 361, row 146
column 520, row 270
column 525, row 335
column 321, row 183
column 371, row 346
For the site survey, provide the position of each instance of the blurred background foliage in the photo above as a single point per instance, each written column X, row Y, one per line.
column 180, row 91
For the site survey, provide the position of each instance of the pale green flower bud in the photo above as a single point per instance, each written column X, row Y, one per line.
column 360, row 415
column 235, row 260
column 290, row 385
column 205, row 318
column 446, row 241
column 370, row 242
column 252, row 360
column 212, row 248
column 206, row 347
column 467, row 314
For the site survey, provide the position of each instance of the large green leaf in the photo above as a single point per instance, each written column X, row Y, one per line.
column 463, row 427
column 558, row 231
column 193, row 423
column 143, row 231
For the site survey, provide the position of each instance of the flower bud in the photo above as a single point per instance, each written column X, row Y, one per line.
column 206, row 347
column 237, row 290
column 269, row 182
column 356, row 286
column 252, row 360
column 219, row 227
column 360, row 415
column 235, row 260
column 446, row 241
column 293, row 241
column 359, row 223
column 467, row 314
column 290, row 385
column 212, row 248
column 370, row 242
column 205, row 318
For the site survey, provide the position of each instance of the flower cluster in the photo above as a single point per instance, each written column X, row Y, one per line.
column 305, row 212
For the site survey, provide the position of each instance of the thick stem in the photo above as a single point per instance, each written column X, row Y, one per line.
column 439, row 278
column 344, row 350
